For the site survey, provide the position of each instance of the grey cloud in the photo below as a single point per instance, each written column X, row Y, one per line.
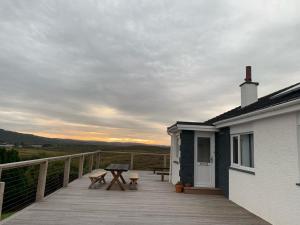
column 153, row 61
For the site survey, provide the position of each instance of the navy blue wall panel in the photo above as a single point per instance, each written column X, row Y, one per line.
column 223, row 159
column 187, row 157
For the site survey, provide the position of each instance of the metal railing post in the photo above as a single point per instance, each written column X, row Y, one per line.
column 2, row 186
column 131, row 161
column 80, row 170
column 40, row 192
column 67, row 172
column 165, row 161
column 91, row 160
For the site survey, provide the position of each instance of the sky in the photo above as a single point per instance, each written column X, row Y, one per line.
column 125, row 70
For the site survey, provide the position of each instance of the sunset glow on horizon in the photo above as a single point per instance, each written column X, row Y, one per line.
column 91, row 137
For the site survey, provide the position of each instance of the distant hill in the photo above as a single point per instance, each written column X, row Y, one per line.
column 11, row 137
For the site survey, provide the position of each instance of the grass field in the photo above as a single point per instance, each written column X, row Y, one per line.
column 142, row 162
column 34, row 153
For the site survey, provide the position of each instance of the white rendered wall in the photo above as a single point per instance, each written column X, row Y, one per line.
column 271, row 193
column 175, row 167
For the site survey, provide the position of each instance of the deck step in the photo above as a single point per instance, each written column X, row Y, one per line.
column 203, row 191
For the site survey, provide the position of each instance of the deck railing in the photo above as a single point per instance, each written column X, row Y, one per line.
column 135, row 156
column 49, row 174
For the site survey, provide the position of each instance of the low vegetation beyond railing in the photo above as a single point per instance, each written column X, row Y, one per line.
column 24, row 182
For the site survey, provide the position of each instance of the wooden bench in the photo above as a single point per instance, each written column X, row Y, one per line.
column 97, row 177
column 133, row 176
column 160, row 168
column 163, row 174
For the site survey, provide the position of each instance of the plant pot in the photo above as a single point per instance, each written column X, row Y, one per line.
column 179, row 188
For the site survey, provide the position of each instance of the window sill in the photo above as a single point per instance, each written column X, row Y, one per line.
column 242, row 170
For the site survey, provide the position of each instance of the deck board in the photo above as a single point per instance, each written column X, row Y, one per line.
column 154, row 202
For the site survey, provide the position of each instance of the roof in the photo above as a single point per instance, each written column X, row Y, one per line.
column 276, row 98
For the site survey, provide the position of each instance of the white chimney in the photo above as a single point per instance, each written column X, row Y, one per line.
column 248, row 89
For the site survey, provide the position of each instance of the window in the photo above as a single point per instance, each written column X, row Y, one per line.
column 242, row 150
column 247, row 150
column 203, row 154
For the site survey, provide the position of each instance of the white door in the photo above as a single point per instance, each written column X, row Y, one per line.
column 204, row 161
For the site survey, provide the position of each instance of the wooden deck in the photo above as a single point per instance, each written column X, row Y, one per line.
column 154, row 203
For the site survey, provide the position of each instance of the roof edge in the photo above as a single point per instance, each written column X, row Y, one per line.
column 195, row 126
column 261, row 114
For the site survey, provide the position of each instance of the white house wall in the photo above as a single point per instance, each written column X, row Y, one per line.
column 271, row 193
column 175, row 166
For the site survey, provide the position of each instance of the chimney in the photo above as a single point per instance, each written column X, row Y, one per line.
column 248, row 74
column 248, row 89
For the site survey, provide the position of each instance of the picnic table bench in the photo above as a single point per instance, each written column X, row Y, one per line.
column 160, row 169
column 163, row 174
column 97, row 176
column 133, row 176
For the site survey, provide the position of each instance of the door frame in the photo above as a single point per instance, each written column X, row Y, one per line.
column 211, row 135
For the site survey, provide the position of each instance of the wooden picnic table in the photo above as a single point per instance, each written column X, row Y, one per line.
column 117, row 170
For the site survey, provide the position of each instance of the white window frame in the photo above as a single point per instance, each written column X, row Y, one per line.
column 239, row 166
column 239, row 154
column 298, row 140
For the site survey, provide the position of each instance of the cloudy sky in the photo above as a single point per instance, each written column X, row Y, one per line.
column 124, row 70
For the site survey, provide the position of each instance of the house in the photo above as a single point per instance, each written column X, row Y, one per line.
column 251, row 152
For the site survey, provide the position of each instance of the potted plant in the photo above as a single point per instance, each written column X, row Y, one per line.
column 179, row 187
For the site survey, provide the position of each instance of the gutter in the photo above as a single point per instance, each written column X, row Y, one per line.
column 180, row 127
column 283, row 108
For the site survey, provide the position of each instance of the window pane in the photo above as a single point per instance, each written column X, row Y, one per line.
column 203, row 149
column 235, row 147
column 247, row 150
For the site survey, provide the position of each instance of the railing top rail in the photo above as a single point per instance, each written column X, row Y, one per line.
column 33, row 162
column 136, row 153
